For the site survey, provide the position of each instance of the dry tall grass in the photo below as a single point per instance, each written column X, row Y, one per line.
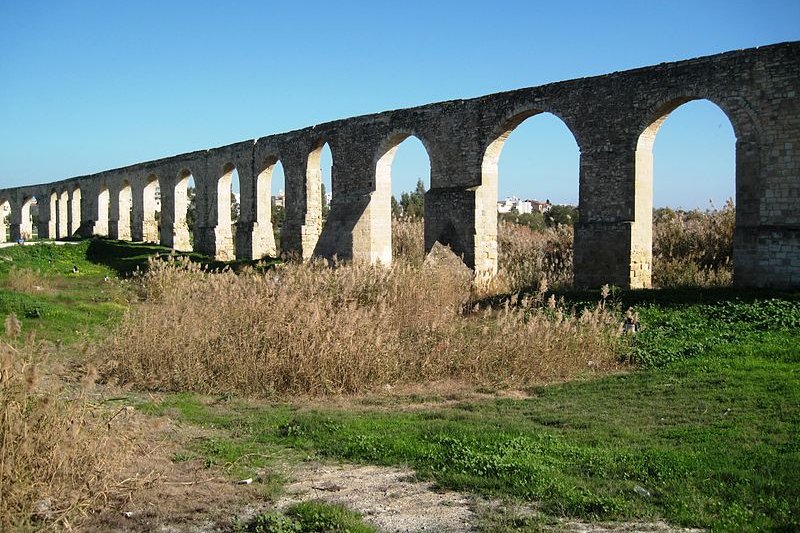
column 690, row 248
column 313, row 330
column 57, row 457
column 693, row 248
column 29, row 281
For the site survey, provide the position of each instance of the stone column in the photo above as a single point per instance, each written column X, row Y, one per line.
column 167, row 187
column 246, row 223
column 137, row 212
column 124, row 199
column 297, row 237
column 114, row 213
column 63, row 216
column 75, row 211
column 263, row 233
column 3, row 219
column 613, row 235
column 212, row 233
column 47, row 217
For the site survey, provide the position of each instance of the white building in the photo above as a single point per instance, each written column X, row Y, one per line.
column 522, row 207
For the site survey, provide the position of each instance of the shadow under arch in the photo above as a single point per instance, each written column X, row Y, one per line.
column 746, row 183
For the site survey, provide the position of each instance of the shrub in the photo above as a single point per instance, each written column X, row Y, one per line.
column 693, row 247
column 58, row 458
column 313, row 330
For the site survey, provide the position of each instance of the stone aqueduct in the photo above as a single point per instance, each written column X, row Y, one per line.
column 614, row 119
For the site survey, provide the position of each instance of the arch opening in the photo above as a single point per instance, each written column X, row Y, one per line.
column 151, row 209
column 402, row 178
column 185, row 211
column 52, row 223
column 125, row 207
column 685, row 206
column 103, row 208
column 28, row 218
column 320, row 194
column 227, row 213
column 75, row 211
column 270, row 208
column 63, row 215
column 526, row 219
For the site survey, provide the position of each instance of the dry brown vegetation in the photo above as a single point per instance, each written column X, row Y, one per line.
column 313, row 330
column 693, row 248
column 29, row 281
column 58, row 454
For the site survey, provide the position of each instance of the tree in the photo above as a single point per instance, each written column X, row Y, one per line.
column 561, row 214
column 413, row 203
column 325, row 207
column 190, row 209
column 235, row 208
column 397, row 211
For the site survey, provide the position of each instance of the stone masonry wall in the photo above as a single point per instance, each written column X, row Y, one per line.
column 614, row 118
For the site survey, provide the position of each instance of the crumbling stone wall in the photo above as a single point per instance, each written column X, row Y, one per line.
column 614, row 119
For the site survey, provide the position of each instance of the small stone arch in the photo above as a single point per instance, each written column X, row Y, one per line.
column 263, row 236
column 183, row 197
column 103, row 208
column 75, row 210
column 63, row 229
column 151, row 208
column 313, row 199
column 125, row 207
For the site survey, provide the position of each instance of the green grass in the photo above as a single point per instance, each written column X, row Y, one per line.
column 82, row 306
column 79, row 305
column 707, row 435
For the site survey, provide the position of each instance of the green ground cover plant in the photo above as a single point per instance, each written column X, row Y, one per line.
column 704, row 439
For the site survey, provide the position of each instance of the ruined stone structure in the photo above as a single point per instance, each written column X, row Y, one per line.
column 614, row 119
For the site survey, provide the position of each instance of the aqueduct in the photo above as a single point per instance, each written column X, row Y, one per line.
column 614, row 119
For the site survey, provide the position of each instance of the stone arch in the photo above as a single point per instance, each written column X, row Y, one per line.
column 380, row 205
column 151, row 208
column 264, row 242
column 52, row 223
column 75, row 210
column 486, row 195
column 224, row 230
column 125, row 207
column 62, row 228
column 184, row 196
column 642, row 224
column 313, row 221
column 103, row 207
column 26, row 218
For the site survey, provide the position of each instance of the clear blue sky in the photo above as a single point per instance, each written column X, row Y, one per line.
column 87, row 86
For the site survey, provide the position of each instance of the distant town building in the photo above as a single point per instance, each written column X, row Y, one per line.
column 279, row 200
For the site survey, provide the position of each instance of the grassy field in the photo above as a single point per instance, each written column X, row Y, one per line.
column 708, row 434
column 701, row 429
